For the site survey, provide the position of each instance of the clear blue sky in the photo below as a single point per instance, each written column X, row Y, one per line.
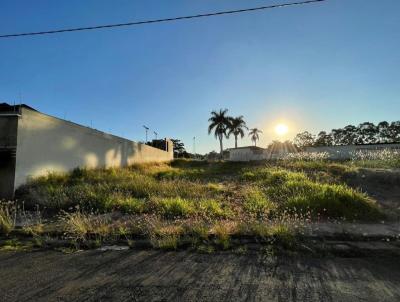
column 315, row 67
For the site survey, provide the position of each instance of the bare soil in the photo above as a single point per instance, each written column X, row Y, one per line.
column 381, row 184
column 182, row 276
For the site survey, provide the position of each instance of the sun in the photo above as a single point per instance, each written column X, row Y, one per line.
column 281, row 129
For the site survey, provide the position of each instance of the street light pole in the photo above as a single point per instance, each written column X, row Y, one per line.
column 146, row 129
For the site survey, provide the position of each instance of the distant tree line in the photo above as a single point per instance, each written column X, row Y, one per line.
column 364, row 133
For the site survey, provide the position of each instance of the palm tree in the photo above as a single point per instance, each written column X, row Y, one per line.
column 220, row 122
column 237, row 125
column 254, row 135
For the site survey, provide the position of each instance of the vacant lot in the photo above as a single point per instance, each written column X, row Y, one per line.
column 198, row 204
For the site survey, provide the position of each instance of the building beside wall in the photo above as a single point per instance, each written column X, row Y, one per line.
column 275, row 150
column 253, row 153
column 34, row 144
column 248, row 153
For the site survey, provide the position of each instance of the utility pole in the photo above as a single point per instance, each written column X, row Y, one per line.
column 155, row 134
column 147, row 130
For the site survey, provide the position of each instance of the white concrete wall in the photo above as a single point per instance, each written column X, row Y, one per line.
column 344, row 152
column 247, row 154
column 48, row 144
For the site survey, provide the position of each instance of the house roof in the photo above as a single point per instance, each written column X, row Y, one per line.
column 247, row 147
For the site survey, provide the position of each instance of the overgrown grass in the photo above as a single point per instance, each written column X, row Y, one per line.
column 106, row 190
column 139, row 190
column 193, row 202
column 385, row 158
column 295, row 191
column 7, row 217
column 256, row 203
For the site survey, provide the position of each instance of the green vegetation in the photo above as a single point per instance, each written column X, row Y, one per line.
column 204, row 205
column 7, row 218
column 294, row 191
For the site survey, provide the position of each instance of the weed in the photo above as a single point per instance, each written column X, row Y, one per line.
column 222, row 235
column 174, row 207
column 166, row 237
column 256, row 203
column 81, row 225
column 129, row 205
column 34, row 229
column 211, row 208
column 205, row 249
column 167, row 242
column 8, row 214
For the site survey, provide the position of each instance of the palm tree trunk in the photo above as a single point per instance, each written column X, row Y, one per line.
column 235, row 141
column 221, row 146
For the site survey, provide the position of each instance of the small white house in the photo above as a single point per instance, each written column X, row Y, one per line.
column 248, row 153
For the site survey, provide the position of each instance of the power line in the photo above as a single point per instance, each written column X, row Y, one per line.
column 159, row 20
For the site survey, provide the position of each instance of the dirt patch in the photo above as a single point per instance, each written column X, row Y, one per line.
column 182, row 276
column 381, row 184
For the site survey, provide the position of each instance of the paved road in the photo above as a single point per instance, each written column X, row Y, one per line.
column 184, row 276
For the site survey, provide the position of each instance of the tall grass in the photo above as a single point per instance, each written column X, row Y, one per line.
column 8, row 214
column 234, row 192
column 297, row 192
column 82, row 225
column 386, row 158
column 106, row 190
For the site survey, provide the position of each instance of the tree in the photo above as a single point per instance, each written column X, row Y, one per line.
column 179, row 148
column 254, row 135
column 337, row 136
column 394, row 130
column 323, row 139
column 304, row 139
column 384, row 132
column 220, row 123
column 350, row 134
column 367, row 133
column 212, row 155
column 237, row 126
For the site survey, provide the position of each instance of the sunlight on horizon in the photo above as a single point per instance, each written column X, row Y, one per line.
column 281, row 129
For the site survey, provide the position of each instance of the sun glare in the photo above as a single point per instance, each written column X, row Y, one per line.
column 281, row 129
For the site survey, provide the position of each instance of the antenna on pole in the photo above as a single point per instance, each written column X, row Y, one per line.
column 155, row 134
column 20, row 102
column 147, row 130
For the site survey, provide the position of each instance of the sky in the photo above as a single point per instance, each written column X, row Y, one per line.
column 313, row 67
